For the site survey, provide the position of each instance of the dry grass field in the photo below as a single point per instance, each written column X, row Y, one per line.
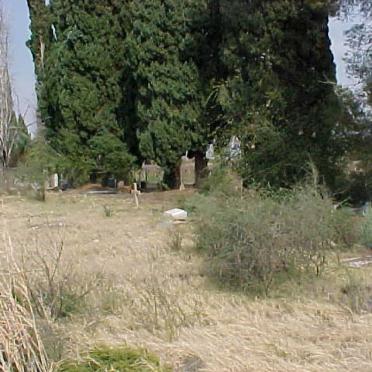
column 131, row 277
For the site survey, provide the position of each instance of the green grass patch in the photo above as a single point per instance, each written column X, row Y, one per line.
column 115, row 359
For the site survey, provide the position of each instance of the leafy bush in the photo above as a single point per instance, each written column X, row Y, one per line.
column 252, row 241
column 221, row 181
column 111, row 156
column 39, row 162
column 119, row 359
column 272, row 160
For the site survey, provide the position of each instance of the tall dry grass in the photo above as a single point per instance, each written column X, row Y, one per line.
column 157, row 296
column 21, row 348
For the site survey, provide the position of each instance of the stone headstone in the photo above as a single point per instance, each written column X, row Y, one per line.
column 187, row 171
column 210, row 152
column 151, row 176
column 53, row 181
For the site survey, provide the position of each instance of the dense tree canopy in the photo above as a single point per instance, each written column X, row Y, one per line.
column 79, row 91
column 164, row 81
column 149, row 80
column 275, row 86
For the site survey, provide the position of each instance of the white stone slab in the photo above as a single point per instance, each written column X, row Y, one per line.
column 177, row 214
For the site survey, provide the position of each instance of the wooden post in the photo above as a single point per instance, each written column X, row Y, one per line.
column 182, row 186
column 136, row 193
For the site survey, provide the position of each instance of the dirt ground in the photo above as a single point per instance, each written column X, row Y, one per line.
column 149, row 290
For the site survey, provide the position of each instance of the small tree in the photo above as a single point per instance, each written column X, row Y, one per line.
column 40, row 161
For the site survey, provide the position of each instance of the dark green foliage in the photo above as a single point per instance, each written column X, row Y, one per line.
column 111, row 155
column 41, row 33
column 165, row 83
column 163, row 77
column 277, row 93
column 269, row 160
column 267, row 74
column 80, row 93
column 115, row 359
column 354, row 186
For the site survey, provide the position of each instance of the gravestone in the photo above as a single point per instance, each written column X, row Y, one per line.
column 187, row 171
column 151, row 176
column 210, row 152
column 53, row 182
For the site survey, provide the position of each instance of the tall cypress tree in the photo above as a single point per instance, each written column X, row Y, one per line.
column 165, row 82
column 80, row 92
column 41, row 32
column 166, row 76
column 275, row 85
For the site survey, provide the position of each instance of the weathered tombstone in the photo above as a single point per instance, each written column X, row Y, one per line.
column 187, row 171
column 52, row 182
column 210, row 152
column 151, row 176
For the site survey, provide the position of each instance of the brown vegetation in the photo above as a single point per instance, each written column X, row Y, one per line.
column 147, row 288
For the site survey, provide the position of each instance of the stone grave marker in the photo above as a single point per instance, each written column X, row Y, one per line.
column 152, row 175
column 187, row 172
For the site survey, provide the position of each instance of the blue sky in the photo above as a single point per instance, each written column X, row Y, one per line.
column 337, row 30
column 21, row 64
column 22, row 69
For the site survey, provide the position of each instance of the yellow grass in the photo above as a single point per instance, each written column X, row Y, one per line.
column 21, row 348
column 152, row 296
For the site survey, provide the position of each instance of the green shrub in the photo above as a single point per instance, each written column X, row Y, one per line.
column 346, row 228
column 119, row 359
column 221, row 181
column 39, row 162
column 111, row 156
column 253, row 241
